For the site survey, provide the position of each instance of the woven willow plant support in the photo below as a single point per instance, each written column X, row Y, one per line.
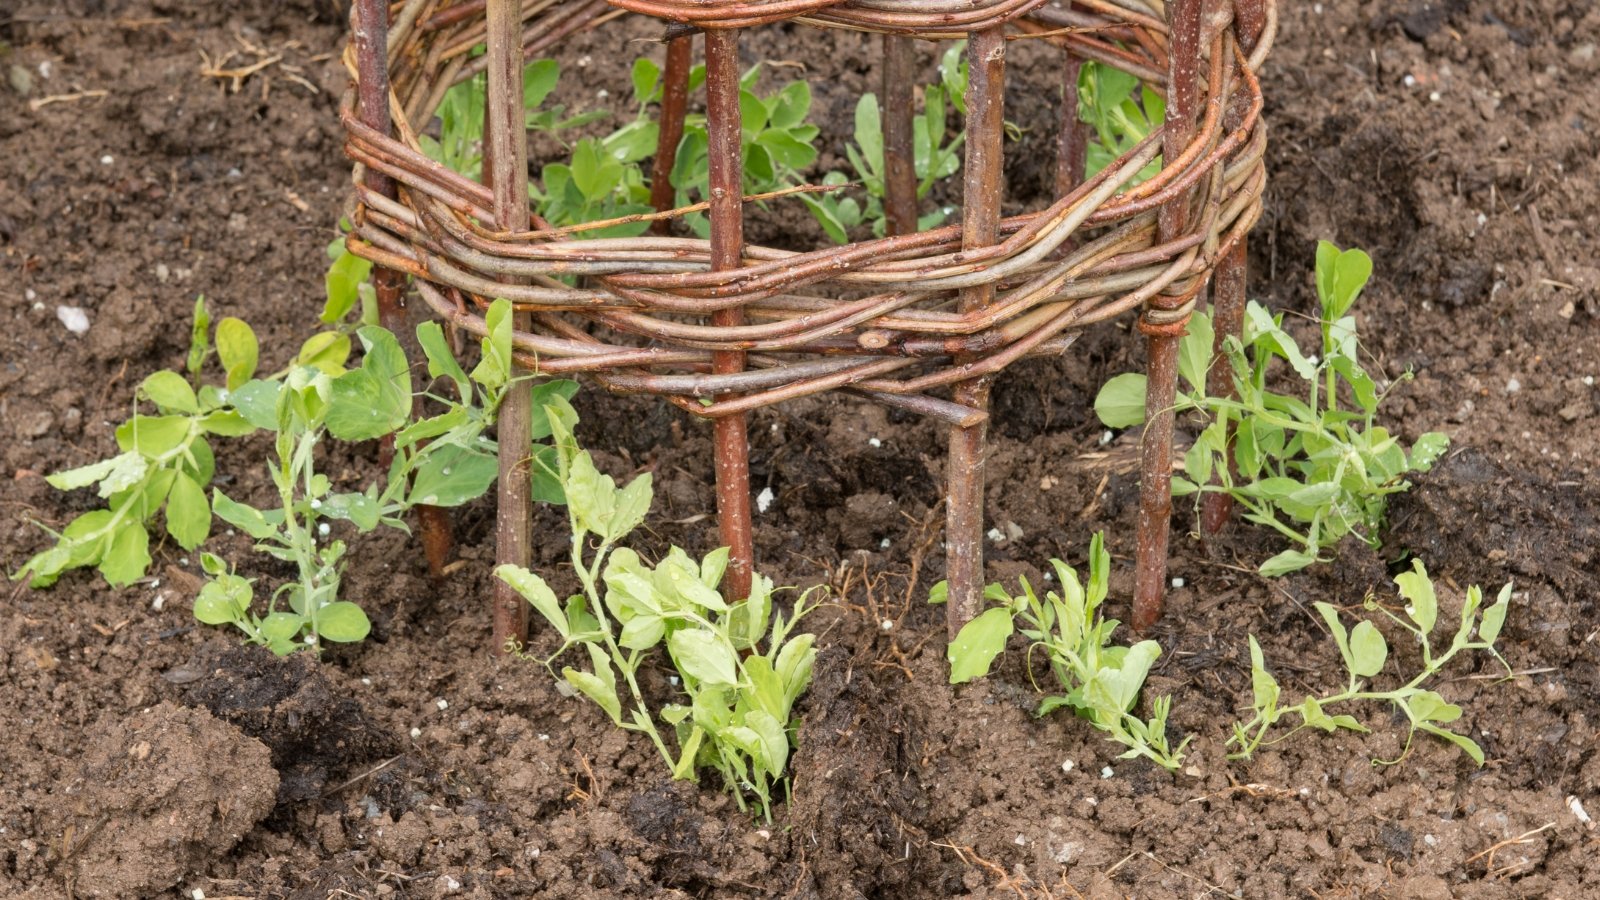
column 922, row 321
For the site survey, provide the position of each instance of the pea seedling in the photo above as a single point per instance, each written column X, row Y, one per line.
column 1365, row 652
column 738, row 714
column 1107, row 101
column 1310, row 469
column 444, row 460
column 1102, row 681
column 165, row 464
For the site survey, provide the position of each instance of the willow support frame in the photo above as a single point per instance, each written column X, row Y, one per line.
column 917, row 320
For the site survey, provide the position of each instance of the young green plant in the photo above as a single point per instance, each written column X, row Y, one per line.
column 737, row 663
column 165, row 464
column 1102, row 681
column 444, row 460
column 1313, row 469
column 1365, row 652
column 1122, row 111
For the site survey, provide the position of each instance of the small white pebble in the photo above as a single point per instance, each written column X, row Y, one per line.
column 451, row 885
column 1434, row 96
column 584, row 60
column 1091, row 801
column 442, row 704
column 1513, row 386
column 44, row 72
column 183, row 560
column 107, row 160
column 1316, row 8
column 602, row 93
column 544, row 737
column 416, row 733
column 322, row 528
column 764, row 834
column 764, row 500
column 1105, row 438
column 367, row 682
column 158, row 602
column 1177, row 582
column 1410, row 81
column 1106, row 772
column 1067, row 765
column 874, row 442
column 884, row 544
column 673, row 679
column 315, row 503
column 74, row 317
column 1430, row 840
column 1588, row 381
column 887, row 624
column 30, row 295
column 198, row 894
column 311, row 639
column 996, row 535
column 1020, row 841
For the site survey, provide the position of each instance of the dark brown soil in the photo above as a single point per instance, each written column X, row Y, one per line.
column 1457, row 141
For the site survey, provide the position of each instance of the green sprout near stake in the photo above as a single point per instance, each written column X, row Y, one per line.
column 1310, row 468
column 738, row 718
column 1365, row 652
column 1102, row 681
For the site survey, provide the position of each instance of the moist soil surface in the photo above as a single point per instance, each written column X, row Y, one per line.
column 1456, row 141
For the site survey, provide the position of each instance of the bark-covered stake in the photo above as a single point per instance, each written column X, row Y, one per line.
column 899, row 146
column 1163, row 324
column 980, row 227
column 674, row 103
column 506, row 166
column 732, row 444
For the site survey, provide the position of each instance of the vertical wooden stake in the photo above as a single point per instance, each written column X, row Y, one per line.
column 1155, row 478
column 372, row 64
column 506, row 166
column 980, row 222
column 1227, row 318
column 674, row 102
column 899, row 153
column 732, row 445
column 1072, row 141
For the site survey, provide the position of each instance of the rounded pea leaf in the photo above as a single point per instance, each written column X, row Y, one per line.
column 188, row 513
column 702, row 655
column 1120, row 404
column 343, row 622
column 1368, row 650
column 238, row 350
column 977, row 644
column 169, row 391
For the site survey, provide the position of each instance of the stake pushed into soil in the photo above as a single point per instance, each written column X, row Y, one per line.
column 674, row 104
column 899, row 151
column 980, row 227
column 731, row 441
column 506, row 167
column 1163, row 324
column 372, row 60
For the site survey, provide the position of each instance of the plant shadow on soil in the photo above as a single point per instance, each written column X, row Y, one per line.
column 1457, row 142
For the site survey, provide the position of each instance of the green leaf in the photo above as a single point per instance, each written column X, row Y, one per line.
column 237, row 349
column 452, row 475
column 120, row 472
column 342, row 622
column 1368, row 650
column 325, row 351
column 646, row 76
column 199, row 337
column 154, row 436
column 1263, row 685
column 223, row 600
column 188, row 513
column 939, row 593
column 978, row 643
column 494, row 369
column 1194, row 351
column 128, row 557
column 342, row 284
column 1427, row 450
column 704, row 656
column 1494, row 618
column 1417, row 587
column 1120, row 403
column 604, row 695
column 358, row 509
column 1460, row 740
column 1286, row 562
column 791, row 105
column 546, row 476
column 257, row 401
column 538, row 80
column 1341, row 638
column 1340, row 278
column 537, row 593
column 441, row 362
column 280, row 627
column 773, row 741
column 553, row 395
column 1428, row 706
column 633, row 503
column 169, row 391
column 225, row 423
column 247, row 519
